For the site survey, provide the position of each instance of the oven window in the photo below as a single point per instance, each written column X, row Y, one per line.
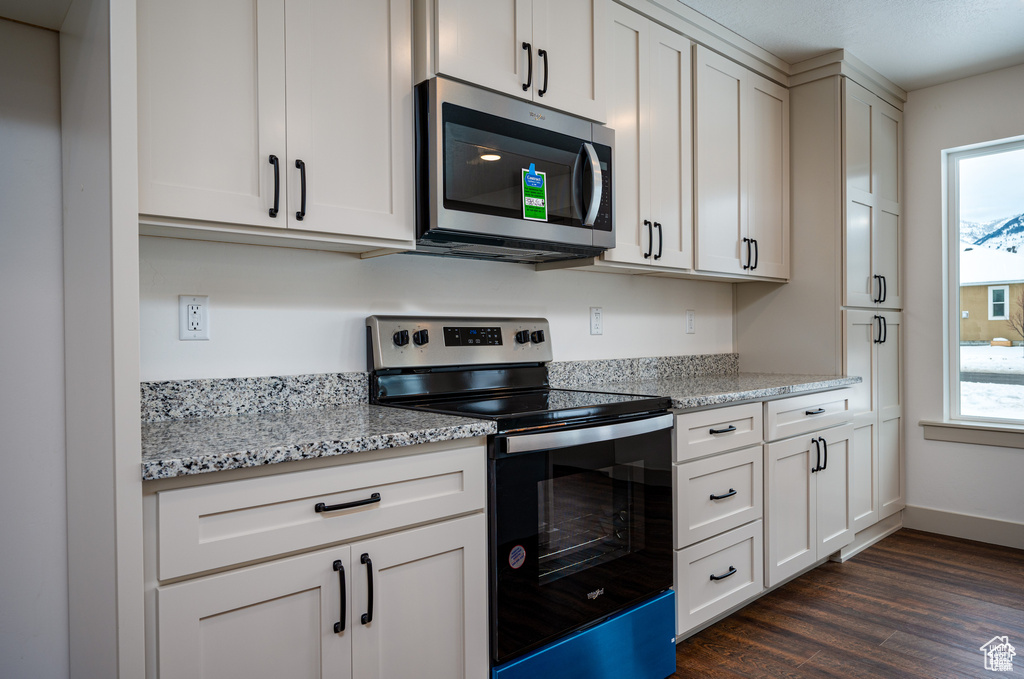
column 588, row 518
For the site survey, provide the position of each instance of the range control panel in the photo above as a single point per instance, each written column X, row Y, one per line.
column 431, row 341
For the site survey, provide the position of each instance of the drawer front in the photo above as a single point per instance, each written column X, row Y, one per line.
column 717, row 494
column 735, row 559
column 218, row 525
column 715, row 431
column 804, row 414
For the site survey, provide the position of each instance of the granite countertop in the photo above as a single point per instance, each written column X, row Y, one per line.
column 198, row 445
column 699, row 391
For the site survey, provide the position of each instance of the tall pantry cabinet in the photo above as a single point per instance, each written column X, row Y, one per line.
column 841, row 311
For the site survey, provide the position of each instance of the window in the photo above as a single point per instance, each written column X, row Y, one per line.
column 985, row 226
column 997, row 295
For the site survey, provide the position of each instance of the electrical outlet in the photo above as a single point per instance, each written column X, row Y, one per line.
column 193, row 317
column 691, row 321
column 596, row 321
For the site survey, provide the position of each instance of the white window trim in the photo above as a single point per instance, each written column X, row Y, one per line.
column 953, row 420
column 1006, row 302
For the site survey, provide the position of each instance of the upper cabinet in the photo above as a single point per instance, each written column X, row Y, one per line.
column 741, row 140
column 548, row 51
column 289, row 114
column 872, row 139
column 649, row 108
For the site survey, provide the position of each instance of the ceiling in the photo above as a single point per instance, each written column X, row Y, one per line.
column 914, row 43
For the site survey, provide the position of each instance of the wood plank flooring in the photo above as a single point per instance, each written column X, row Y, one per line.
column 914, row 605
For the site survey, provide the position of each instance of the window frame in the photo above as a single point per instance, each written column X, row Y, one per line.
column 1005, row 302
column 951, row 270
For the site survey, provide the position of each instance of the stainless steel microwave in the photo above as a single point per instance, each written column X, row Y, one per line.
column 504, row 179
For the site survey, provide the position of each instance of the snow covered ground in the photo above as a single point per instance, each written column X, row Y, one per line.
column 992, row 400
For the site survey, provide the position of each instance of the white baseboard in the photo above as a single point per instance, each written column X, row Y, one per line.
column 994, row 531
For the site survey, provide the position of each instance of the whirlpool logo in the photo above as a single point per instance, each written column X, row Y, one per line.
column 596, row 593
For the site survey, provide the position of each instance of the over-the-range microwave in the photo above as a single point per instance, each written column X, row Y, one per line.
column 503, row 179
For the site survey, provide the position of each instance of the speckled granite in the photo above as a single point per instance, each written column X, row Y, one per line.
column 196, row 446
column 250, row 395
column 586, row 374
column 711, row 390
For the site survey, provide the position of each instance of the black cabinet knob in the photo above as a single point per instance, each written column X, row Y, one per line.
column 420, row 337
column 522, row 337
column 401, row 338
column 537, row 336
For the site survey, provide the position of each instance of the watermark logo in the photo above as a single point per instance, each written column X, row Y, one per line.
column 999, row 654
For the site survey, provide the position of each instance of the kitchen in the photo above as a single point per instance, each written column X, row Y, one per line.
column 277, row 311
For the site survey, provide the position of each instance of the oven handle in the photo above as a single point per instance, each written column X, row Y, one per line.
column 550, row 440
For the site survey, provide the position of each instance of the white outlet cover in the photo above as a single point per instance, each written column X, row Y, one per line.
column 596, row 320
column 203, row 331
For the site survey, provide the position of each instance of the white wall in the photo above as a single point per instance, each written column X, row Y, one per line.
column 33, row 528
column 980, row 481
column 277, row 311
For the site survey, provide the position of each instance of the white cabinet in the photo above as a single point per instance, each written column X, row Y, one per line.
column 549, row 51
column 741, row 170
column 649, row 106
column 872, row 139
column 227, row 88
column 807, row 510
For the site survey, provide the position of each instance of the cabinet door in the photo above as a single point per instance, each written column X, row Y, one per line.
column 572, row 35
column 272, row 620
column 864, row 472
column 891, row 470
column 886, row 148
column 482, row 43
column 211, row 109
column 835, row 520
column 349, row 73
column 429, row 602
column 721, row 205
column 860, row 359
column 671, row 173
column 790, row 508
column 766, row 174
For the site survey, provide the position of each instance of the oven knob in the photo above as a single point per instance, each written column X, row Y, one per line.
column 401, row 338
column 522, row 337
column 537, row 336
column 420, row 337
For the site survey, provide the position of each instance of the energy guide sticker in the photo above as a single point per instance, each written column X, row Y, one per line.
column 535, row 195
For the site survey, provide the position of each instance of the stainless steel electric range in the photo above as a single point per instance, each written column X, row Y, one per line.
column 580, row 495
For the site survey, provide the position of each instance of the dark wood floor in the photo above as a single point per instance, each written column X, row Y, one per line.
column 914, row 605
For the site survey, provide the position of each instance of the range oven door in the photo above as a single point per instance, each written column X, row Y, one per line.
column 581, row 527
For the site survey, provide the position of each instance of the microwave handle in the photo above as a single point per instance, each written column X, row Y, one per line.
column 595, row 191
column 528, row 443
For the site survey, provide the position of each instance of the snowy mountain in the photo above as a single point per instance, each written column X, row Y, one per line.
column 1007, row 236
column 972, row 231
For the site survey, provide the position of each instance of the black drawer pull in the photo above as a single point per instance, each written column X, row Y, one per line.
column 301, row 166
column 819, row 411
column 661, row 240
column 732, row 491
column 732, row 571
column 728, row 429
column 650, row 238
column 368, row 615
column 543, row 54
column 340, row 625
column 277, row 185
column 817, row 457
column 321, row 507
column 529, row 68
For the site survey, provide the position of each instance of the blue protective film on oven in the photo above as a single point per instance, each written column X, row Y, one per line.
column 638, row 643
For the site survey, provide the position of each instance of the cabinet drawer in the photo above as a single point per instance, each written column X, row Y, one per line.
column 804, row 414
column 218, row 525
column 718, row 493
column 699, row 597
column 715, row 431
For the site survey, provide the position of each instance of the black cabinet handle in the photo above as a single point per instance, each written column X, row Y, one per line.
column 301, row 214
column 543, row 54
column 748, row 242
column 661, row 240
column 650, row 239
column 368, row 615
column 824, row 445
column 731, row 492
column 277, row 185
column 819, row 411
column 321, row 507
column 340, row 625
column 878, row 339
column 817, row 458
column 757, row 253
column 529, row 66
column 885, row 289
column 878, row 298
column 731, row 427
column 732, row 571
column 885, row 330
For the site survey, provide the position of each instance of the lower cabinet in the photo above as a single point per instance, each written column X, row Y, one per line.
column 808, row 514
